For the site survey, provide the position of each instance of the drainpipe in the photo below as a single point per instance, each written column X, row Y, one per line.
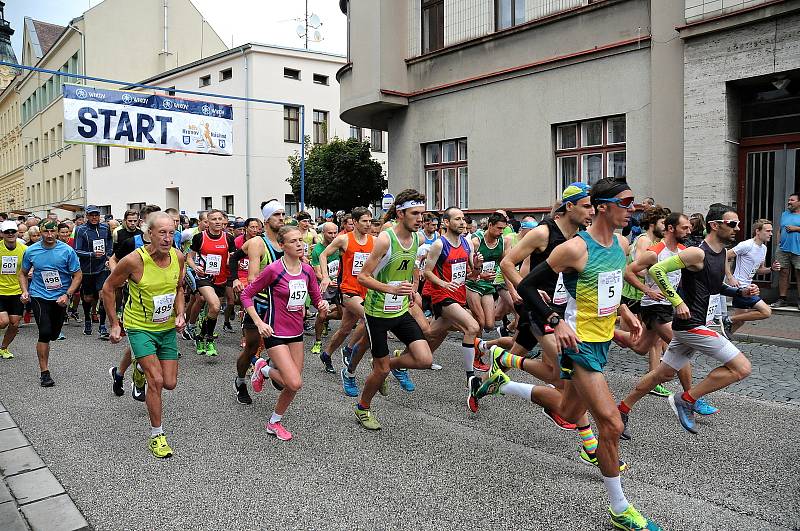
column 246, row 132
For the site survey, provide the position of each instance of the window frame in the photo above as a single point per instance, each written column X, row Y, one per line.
column 321, row 79
column 376, row 147
column 133, row 154
column 106, row 159
column 514, row 21
column 605, row 149
column 442, row 170
column 320, row 127
column 225, row 74
column 225, row 199
column 205, row 81
column 292, row 73
column 288, row 120
column 435, row 7
column 360, row 135
column 206, row 203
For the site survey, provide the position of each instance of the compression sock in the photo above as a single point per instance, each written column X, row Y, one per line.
column 616, row 498
column 469, row 356
column 522, row 390
column 588, row 439
column 210, row 325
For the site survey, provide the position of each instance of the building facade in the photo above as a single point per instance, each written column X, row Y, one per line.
column 492, row 103
column 264, row 135
column 11, row 175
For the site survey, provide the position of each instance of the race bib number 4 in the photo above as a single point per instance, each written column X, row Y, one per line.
column 9, row 265
column 609, row 292
column 99, row 246
column 213, row 264
column 458, row 273
column 358, row 262
column 52, row 280
column 393, row 303
column 297, row 295
column 162, row 307
column 333, row 269
column 560, row 295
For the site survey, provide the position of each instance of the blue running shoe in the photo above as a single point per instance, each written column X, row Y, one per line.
column 404, row 379
column 684, row 411
column 348, row 383
column 702, row 407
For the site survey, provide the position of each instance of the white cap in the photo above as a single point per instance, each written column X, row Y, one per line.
column 8, row 225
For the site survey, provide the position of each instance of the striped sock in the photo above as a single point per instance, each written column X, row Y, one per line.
column 508, row 359
column 588, row 439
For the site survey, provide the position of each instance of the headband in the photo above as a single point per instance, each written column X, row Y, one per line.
column 270, row 208
column 48, row 225
column 617, row 188
column 528, row 225
column 572, row 194
column 410, row 204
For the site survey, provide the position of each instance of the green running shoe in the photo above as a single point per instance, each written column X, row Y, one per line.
column 632, row 520
column 317, row 348
column 591, row 459
column 366, row 419
column 497, row 378
column 139, row 378
column 211, row 348
column 660, row 390
column 200, row 345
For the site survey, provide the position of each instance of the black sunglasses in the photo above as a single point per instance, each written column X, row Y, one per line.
column 9, row 231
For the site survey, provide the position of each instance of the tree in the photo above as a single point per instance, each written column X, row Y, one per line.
column 340, row 175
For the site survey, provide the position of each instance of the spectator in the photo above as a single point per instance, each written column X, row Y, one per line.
column 788, row 252
column 634, row 227
column 34, row 235
column 22, row 232
column 3, row 216
column 698, row 234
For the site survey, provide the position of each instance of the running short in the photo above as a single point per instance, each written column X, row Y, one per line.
column 591, row 356
column 701, row 339
column 745, row 303
column 404, row 327
column 530, row 327
column 91, row 285
column 634, row 305
column 49, row 317
column 437, row 307
column 219, row 289
column 787, row 260
column 332, row 296
column 163, row 344
column 11, row 304
column 656, row 314
column 481, row 287
column 273, row 341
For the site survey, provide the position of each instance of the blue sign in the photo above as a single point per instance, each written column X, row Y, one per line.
column 386, row 202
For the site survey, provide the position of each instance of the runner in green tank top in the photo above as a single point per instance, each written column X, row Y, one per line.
column 480, row 293
column 390, row 276
column 153, row 312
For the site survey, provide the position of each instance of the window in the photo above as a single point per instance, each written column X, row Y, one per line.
column 590, row 150
column 290, row 203
column 320, row 79
column 102, row 158
column 291, row 73
column 205, row 80
column 432, row 25
column 226, row 74
column 357, row 133
column 171, row 91
column 320, row 127
column 136, row 206
column 509, row 13
column 227, row 200
column 206, row 204
column 104, row 209
column 135, row 154
column 291, row 124
column 376, row 140
column 446, row 174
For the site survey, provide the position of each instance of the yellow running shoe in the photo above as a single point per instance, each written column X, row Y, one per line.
column 630, row 519
column 6, row 354
column 366, row 419
column 497, row 378
column 159, row 447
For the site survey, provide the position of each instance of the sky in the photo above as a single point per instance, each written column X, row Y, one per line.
column 236, row 21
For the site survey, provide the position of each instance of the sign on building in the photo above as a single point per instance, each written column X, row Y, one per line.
column 146, row 121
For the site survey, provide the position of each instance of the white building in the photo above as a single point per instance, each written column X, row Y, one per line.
column 264, row 135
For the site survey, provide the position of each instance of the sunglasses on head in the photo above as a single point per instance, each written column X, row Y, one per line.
column 622, row 202
column 732, row 223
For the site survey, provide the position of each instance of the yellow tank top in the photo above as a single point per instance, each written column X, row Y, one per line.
column 11, row 262
column 151, row 301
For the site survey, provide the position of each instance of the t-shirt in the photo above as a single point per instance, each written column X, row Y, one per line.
column 790, row 241
column 749, row 257
column 52, row 269
column 11, row 261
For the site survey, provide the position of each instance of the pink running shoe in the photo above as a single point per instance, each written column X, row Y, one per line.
column 279, row 431
column 257, row 379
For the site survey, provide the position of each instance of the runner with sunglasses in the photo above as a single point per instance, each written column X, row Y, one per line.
column 11, row 308
column 702, row 274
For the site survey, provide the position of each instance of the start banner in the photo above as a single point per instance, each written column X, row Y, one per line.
column 146, row 121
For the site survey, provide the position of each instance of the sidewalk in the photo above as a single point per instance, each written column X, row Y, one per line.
column 782, row 329
column 30, row 495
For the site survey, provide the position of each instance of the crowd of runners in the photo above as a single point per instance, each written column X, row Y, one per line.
column 594, row 271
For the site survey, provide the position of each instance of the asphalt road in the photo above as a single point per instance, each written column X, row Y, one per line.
column 433, row 466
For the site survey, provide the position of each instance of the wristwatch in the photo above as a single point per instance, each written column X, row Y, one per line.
column 553, row 320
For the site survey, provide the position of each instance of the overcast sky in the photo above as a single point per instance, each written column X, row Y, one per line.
column 236, row 21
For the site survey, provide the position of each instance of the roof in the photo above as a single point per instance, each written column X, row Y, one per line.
column 47, row 33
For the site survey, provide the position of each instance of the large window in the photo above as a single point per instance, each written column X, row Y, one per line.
column 291, row 124
column 227, row 200
column 508, row 13
column 357, row 133
column 589, row 150
column 432, row 25
column 290, row 204
column 376, row 140
column 446, row 174
column 102, row 156
column 320, row 127
column 206, row 204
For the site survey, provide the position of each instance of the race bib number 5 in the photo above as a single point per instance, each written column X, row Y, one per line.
column 297, row 295
column 358, row 262
column 162, row 307
column 52, row 280
column 609, row 292
column 9, row 265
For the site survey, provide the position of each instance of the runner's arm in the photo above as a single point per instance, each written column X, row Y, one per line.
column 434, row 252
column 180, row 299
column 659, row 272
column 535, row 239
column 547, row 272
column 119, row 275
column 340, row 243
column 642, row 263
column 255, row 248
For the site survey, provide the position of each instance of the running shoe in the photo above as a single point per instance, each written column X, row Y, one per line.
column 349, row 383
column 226, row 327
column 780, row 303
column 159, row 447
column 200, row 346
column 317, row 348
column 631, row 520
column 326, row 360
column 384, row 387
column 347, row 355
column 211, row 349
column 591, row 459
column 242, row 396
column 187, row 335
column 625, row 435
column 497, row 378
column 116, row 382
column 277, row 429
column 61, row 337
column 87, row 328
column 103, row 331
column 684, row 411
column 478, row 364
column 366, row 419
column 73, row 314
column 45, row 380
column 404, row 379
column 257, row 379
column 660, row 390
column 727, row 326
column 436, row 367
column 397, row 353
column 6, row 354
column 473, row 384
column 559, row 421
column 95, row 317
column 704, row 408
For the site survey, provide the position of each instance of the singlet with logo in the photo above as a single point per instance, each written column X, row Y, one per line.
column 396, row 266
column 11, row 263
column 451, row 267
column 491, row 260
column 628, row 290
column 333, row 260
column 662, row 252
column 151, row 301
column 554, row 285
column 213, row 255
column 698, row 287
column 595, row 292
column 352, row 261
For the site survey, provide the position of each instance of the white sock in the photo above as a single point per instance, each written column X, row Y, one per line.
column 616, row 498
column 522, row 390
column 155, row 431
column 482, row 346
column 265, row 371
column 240, row 381
column 469, row 356
column 275, row 418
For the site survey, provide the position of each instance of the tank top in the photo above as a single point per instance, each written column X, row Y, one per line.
column 697, row 287
column 451, row 267
column 271, row 255
column 352, row 262
column 396, row 266
column 662, row 253
column 151, row 301
column 554, row 238
column 628, row 290
column 595, row 292
column 214, row 257
column 491, row 258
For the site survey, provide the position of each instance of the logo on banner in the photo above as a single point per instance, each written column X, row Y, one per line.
column 167, row 104
column 127, row 99
column 221, row 143
column 186, row 139
column 81, row 93
column 206, row 110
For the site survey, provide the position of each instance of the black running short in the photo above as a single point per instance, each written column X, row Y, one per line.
column 634, row 305
column 11, row 305
column 219, row 289
column 49, row 316
column 273, row 341
column 404, row 327
column 653, row 314
column 91, row 285
column 438, row 306
column 530, row 326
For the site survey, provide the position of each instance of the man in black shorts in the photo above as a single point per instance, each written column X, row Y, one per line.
column 94, row 246
column 11, row 308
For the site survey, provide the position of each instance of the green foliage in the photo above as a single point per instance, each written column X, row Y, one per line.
column 340, row 175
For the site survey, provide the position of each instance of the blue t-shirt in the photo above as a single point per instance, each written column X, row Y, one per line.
column 53, row 266
column 790, row 241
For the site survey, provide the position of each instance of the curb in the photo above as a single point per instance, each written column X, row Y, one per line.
column 31, row 497
column 767, row 340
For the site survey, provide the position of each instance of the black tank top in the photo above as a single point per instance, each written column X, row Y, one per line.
column 554, row 239
column 698, row 286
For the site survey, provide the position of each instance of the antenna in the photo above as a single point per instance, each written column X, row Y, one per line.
column 309, row 21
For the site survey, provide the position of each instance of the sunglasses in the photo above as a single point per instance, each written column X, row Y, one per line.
column 622, row 202
column 9, row 232
column 732, row 223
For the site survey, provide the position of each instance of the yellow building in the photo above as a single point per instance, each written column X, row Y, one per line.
column 11, row 175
